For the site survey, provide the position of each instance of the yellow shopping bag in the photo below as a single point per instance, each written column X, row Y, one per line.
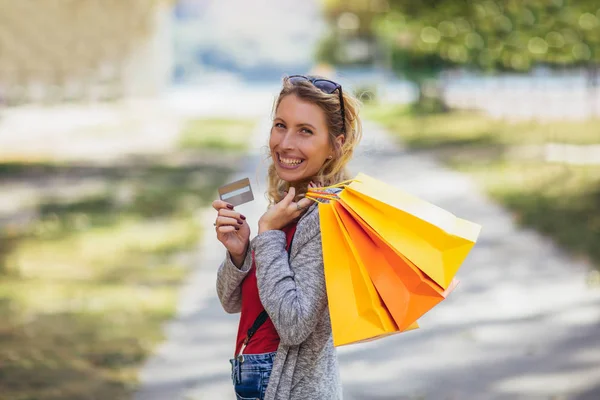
column 433, row 239
column 356, row 309
column 404, row 289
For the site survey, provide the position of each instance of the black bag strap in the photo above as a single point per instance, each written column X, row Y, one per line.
column 262, row 317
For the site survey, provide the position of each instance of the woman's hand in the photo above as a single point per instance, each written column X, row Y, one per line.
column 232, row 230
column 313, row 185
column 283, row 213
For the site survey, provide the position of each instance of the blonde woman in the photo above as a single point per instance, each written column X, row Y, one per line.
column 284, row 346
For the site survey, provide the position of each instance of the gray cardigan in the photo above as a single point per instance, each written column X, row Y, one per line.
column 293, row 294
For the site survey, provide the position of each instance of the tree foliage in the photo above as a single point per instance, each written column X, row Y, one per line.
column 496, row 35
column 487, row 34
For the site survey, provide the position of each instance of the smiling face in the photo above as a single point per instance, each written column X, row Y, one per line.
column 299, row 140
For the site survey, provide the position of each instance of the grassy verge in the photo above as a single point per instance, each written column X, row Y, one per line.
column 216, row 134
column 560, row 200
column 85, row 288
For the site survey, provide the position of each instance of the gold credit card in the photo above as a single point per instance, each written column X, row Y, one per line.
column 236, row 193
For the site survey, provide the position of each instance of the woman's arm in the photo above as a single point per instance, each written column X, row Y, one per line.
column 233, row 231
column 294, row 299
column 229, row 278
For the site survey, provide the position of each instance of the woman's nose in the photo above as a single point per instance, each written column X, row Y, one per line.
column 287, row 141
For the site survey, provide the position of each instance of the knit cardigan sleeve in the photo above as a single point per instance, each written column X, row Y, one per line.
column 292, row 291
column 229, row 279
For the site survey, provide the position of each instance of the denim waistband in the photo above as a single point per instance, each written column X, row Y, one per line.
column 255, row 362
column 260, row 357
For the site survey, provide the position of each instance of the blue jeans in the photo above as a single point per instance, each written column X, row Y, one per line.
column 250, row 375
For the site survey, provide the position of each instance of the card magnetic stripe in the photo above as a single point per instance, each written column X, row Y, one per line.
column 243, row 190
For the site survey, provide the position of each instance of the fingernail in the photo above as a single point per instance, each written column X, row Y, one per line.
column 230, row 206
column 242, row 217
column 237, row 228
column 240, row 222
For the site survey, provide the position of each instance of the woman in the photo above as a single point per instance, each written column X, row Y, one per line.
column 287, row 352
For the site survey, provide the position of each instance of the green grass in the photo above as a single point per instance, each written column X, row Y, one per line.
column 217, row 134
column 85, row 310
column 85, row 288
column 560, row 200
column 464, row 128
column 11, row 168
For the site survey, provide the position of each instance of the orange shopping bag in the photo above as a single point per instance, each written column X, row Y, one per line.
column 405, row 290
column 433, row 239
column 356, row 310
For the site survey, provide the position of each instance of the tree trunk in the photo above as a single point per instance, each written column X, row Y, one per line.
column 431, row 97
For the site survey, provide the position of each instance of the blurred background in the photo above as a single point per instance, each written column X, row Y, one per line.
column 119, row 119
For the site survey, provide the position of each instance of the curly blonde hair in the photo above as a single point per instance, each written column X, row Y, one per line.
column 333, row 170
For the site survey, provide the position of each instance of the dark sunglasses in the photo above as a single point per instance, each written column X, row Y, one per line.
column 326, row 86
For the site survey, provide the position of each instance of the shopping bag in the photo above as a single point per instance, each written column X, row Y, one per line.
column 405, row 290
column 356, row 310
column 433, row 239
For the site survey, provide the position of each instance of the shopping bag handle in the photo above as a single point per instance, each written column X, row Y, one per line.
column 321, row 192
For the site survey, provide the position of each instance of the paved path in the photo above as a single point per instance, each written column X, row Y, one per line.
column 521, row 325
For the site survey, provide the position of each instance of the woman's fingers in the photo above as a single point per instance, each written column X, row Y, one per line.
column 224, row 221
column 231, row 214
column 221, row 205
column 227, row 229
column 289, row 197
column 226, row 216
column 304, row 203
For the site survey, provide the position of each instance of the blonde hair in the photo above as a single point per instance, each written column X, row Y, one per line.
column 333, row 170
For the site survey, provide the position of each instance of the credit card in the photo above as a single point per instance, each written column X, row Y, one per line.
column 236, row 193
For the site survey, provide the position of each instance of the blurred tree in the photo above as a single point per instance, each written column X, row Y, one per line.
column 426, row 37
column 351, row 39
column 63, row 48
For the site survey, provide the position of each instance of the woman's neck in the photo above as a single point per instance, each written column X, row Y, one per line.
column 300, row 186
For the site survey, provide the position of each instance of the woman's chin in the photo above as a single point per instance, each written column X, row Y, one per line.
column 288, row 177
column 291, row 176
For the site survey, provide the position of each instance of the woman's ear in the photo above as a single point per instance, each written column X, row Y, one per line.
column 339, row 141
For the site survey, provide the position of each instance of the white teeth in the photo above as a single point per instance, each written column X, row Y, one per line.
column 290, row 161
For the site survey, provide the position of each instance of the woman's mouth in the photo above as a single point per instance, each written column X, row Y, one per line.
column 289, row 162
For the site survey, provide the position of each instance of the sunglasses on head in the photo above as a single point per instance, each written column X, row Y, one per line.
column 326, row 86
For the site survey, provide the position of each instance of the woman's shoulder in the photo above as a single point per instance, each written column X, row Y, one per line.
column 309, row 223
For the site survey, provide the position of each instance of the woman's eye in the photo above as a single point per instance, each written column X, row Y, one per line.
column 279, row 125
column 307, row 131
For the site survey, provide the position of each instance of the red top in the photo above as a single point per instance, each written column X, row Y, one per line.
column 266, row 339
